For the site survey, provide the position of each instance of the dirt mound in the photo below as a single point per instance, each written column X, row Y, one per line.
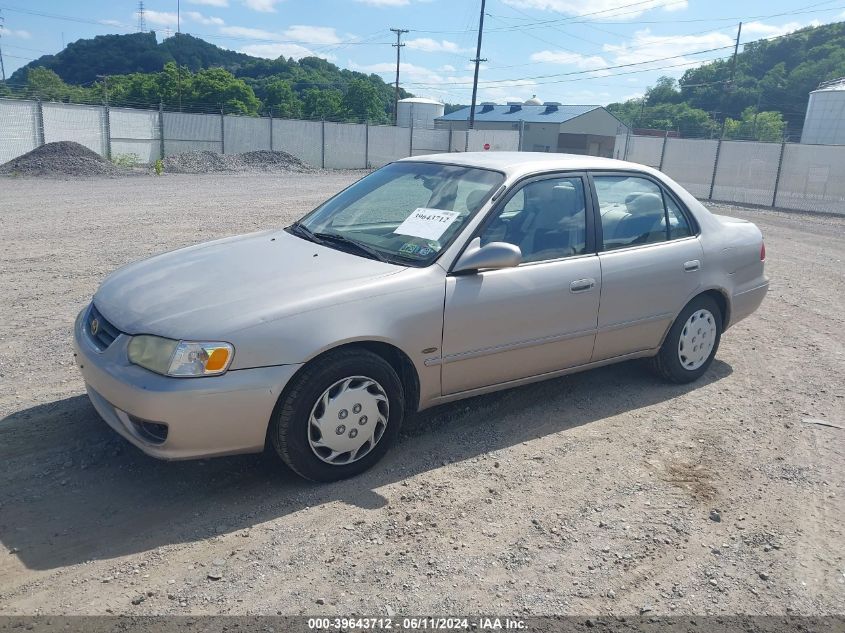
column 63, row 158
column 206, row 162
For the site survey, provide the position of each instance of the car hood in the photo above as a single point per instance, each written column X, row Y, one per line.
column 209, row 290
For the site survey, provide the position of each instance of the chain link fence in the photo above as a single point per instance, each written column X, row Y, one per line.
column 148, row 135
column 782, row 175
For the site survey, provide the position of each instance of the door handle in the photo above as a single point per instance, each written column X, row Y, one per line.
column 582, row 285
column 692, row 265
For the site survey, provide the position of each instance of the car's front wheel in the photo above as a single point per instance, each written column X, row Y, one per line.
column 691, row 343
column 339, row 415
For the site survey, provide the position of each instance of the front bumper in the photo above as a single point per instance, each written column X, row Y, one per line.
column 204, row 417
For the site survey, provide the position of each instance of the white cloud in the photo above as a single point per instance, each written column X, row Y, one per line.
column 211, row 3
column 312, row 34
column 263, row 6
column 112, row 22
column 428, row 45
column 645, row 46
column 447, row 68
column 609, row 8
column 165, row 18
column 385, row 3
column 273, row 51
column 771, row 30
column 18, row 33
column 250, row 33
column 196, row 16
column 576, row 60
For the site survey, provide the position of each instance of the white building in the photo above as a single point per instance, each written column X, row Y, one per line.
column 824, row 123
column 421, row 112
column 546, row 127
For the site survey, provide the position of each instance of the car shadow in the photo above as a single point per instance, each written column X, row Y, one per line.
column 74, row 491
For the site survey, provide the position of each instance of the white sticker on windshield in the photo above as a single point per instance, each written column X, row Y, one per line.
column 428, row 224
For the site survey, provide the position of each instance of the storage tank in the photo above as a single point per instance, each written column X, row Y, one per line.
column 824, row 123
column 421, row 111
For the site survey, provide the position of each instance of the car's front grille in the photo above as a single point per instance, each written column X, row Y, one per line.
column 100, row 331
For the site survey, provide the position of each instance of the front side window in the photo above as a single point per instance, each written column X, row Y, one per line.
column 547, row 219
column 406, row 212
column 636, row 211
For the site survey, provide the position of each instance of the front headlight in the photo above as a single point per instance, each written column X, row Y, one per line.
column 180, row 358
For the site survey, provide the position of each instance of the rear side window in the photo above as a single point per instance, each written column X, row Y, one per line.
column 636, row 211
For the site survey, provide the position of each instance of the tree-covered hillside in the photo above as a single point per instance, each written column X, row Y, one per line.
column 766, row 99
column 188, row 73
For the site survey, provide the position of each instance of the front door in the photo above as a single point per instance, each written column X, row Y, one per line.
column 539, row 317
column 650, row 262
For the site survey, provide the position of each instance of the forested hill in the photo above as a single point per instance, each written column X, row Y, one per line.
column 776, row 74
column 140, row 71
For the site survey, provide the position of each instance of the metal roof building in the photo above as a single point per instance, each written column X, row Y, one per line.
column 550, row 127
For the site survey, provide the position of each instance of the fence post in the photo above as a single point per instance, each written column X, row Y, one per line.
column 107, row 112
column 627, row 143
column 367, row 144
column 777, row 178
column 663, row 150
column 222, row 131
column 715, row 167
column 450, row 139
column 39, row 122
column 521, row 134
column 411, row 142
column 271, row 128
column 161, row 128
column 323, row 143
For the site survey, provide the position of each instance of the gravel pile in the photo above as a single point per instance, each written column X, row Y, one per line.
column 206, row 162
column 63, row 158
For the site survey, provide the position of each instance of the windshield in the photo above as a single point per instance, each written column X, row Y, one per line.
column 405, row 212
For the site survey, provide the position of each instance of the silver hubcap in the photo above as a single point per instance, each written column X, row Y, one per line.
column 348, row 420
column 697, row 339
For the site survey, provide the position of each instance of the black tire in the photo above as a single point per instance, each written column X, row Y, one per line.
column 667, row 363
column 288, row 433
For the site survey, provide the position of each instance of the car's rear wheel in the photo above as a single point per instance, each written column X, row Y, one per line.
column 691, row 343
column 339, row 416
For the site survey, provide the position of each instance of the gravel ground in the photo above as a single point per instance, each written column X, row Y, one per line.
column 205, row 162
column 603, row 492
column 60, row 160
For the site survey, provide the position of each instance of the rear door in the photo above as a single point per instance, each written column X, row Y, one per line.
column 540, row 316
column 650, row 261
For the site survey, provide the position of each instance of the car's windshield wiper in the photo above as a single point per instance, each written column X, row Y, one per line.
column 302, row 231
column 368, row 251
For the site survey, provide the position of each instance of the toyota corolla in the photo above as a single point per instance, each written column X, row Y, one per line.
column 432, row 279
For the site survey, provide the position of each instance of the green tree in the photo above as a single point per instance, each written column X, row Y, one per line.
column 217, row 86
column 361, row 101
column 46, row 85
column 323, row 104
column 758, row 126
column 282, row 99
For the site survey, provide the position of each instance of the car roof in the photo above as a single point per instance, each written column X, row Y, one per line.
column 516, row 164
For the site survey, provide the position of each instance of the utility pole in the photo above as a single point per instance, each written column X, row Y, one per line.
column 477, row 61
column 2, row 67
column 729, row 85
column 398, row 46
column 178, row 62
column 105, row 79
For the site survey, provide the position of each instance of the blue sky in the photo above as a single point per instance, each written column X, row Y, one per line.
column 572, row 51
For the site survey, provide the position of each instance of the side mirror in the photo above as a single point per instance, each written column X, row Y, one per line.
column 491, row 256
